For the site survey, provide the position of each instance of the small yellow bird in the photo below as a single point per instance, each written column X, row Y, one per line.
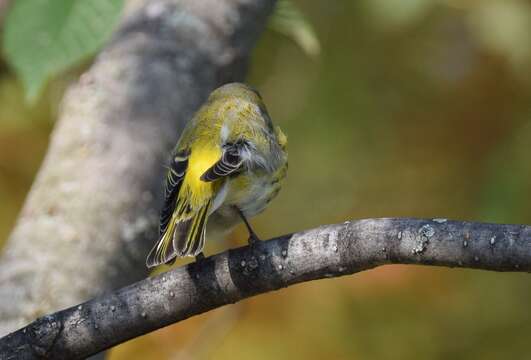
column 228, row 165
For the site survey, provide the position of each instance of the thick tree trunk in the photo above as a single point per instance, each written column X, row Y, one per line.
column 90, row 217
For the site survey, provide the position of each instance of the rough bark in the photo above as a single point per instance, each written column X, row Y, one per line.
column 89, row 219
column 328, row 251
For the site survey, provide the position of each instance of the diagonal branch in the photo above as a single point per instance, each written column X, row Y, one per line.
column 327, row 251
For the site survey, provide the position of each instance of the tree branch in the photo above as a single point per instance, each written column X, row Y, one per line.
column 327, row 251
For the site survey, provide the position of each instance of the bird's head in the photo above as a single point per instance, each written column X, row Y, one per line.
column 246, row 123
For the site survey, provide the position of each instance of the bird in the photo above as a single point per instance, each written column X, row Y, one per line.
column 227, row 166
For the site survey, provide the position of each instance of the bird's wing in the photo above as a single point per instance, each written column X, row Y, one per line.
column 230, row 163
column 174, row 179
column 181, row 229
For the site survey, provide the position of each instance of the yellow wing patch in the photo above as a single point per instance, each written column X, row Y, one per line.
column 196, row 191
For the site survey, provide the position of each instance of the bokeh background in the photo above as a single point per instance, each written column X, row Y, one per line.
column 414, row 108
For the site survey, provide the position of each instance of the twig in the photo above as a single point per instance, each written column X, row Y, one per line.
column 327, row 251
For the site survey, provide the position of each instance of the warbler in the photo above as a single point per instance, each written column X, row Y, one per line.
column 227, row 166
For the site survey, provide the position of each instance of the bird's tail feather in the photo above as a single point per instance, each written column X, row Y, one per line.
column 183, row 237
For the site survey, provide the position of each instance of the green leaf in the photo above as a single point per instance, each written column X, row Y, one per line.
column 45, row 37
column 291, row 22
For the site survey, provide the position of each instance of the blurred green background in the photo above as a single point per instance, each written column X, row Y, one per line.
column 414, row 108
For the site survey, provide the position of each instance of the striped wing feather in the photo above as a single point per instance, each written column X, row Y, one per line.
column 163, row 252
column 174, row 178
column 230, row 163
